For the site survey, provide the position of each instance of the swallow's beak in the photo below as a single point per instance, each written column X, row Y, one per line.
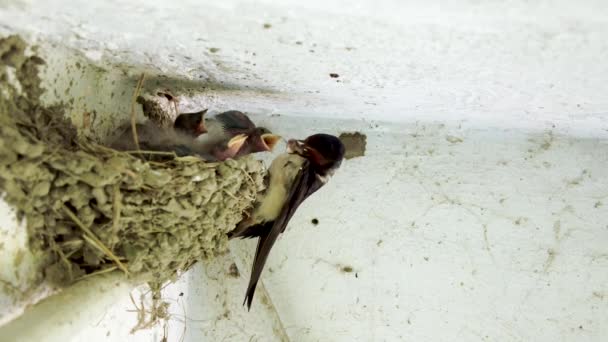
column 296, row 146
column 236, row 143
column 270, row 141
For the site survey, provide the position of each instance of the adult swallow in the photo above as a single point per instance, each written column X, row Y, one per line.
column 293, row 176
column 232, row 134
column 191, row 123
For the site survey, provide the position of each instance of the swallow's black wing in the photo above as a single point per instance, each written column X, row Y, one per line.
column 235, row 122
column 305, row 184
column 311, row 185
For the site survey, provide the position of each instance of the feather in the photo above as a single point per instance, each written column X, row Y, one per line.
column 306, row 183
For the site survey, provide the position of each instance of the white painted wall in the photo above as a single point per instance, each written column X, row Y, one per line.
column 478, row 213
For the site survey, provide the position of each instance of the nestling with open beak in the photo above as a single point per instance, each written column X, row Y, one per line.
column 228, row 135
column 293, row 176
column 191, row 123
column 232, row 134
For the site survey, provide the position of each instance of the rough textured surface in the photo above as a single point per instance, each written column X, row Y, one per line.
column 91, row 209
column 448, row 226
column 355, row 144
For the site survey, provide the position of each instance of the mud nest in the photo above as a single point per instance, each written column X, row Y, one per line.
column 91, row 209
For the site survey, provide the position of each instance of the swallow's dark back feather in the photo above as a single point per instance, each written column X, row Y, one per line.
column 235, row 122
column 305, row 185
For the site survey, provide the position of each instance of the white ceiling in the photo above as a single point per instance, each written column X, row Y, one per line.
column 452, row 232
column 511, row 63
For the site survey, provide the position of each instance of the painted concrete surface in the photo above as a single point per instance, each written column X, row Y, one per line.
column 60, row 317
column 478, row 212
column 516, row 63
column 204, row 305
column 16, row 263
column 444, row 233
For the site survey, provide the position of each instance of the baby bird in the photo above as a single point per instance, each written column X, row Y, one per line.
column 232, row 134
column 191, row 123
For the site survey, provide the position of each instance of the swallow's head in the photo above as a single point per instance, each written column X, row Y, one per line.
column 262, row 140
column 231, row 148
column 324, row 151
column 191, row 123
